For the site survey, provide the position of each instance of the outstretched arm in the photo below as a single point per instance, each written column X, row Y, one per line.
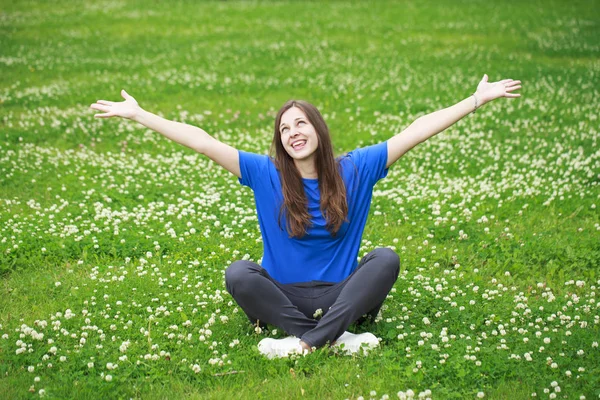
column 187, row 135
column 431, row 124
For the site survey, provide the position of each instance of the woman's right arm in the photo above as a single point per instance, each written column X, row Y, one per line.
column 187, row 135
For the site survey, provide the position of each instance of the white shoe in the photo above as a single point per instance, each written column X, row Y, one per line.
column 353, row 342
column 265, row 347
column 277, row 348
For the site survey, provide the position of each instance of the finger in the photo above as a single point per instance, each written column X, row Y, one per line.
column 104, row 115
column 510, row 82
column 125, row 94
column 512, row 95
column 109, row 103
column 100, row 107
column 509, row 89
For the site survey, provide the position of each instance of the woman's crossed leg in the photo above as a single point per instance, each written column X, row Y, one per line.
column 292, row 307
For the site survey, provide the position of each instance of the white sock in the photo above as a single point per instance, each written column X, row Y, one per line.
column 354, row 342
column 276, row 348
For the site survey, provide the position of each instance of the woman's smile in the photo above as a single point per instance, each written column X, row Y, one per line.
column 299, row 144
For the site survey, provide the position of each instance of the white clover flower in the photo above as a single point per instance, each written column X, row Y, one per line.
column 124, row 346
column 108, row 378
column 480, row 395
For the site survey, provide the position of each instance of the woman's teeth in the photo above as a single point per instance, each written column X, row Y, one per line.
column 299, row 144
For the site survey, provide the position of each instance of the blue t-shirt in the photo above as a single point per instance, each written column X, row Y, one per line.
column 317, row 256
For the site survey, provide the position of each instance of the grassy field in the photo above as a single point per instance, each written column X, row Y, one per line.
column 114, row 241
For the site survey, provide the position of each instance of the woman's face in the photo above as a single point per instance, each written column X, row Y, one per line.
column 298, row 135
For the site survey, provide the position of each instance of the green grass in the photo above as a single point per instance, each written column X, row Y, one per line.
column 83, row 202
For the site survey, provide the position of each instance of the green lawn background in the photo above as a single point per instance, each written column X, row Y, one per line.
column 504, row 201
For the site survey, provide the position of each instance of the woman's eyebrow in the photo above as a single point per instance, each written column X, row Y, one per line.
column 283, row 123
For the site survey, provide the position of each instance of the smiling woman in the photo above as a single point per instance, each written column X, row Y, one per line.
column 312, row 210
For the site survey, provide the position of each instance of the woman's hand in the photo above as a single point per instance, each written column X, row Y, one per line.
column 488, row 91
column 125, row 109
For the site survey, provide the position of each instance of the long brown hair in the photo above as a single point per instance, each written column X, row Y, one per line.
column 331, row 186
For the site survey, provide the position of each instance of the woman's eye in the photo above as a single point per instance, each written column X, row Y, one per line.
column 301, row 122
column 283, row 130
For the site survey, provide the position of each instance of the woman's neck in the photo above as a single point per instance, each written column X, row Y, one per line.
column 307, row 168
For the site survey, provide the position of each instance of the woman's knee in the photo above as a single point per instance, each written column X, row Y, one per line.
column 387, row 256
column 388, row 259
column 238, row 274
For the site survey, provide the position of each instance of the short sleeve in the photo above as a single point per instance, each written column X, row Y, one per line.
column 252, row 167
column 371, row 162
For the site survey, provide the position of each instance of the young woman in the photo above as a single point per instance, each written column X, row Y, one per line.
column 312, row 210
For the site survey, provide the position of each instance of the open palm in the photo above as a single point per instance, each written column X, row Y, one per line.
column 124, row 109
column 489, row 91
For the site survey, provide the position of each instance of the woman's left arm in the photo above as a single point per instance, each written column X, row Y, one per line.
column 431, row 124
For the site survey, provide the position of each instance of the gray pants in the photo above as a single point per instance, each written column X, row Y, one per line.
column 291, row 306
